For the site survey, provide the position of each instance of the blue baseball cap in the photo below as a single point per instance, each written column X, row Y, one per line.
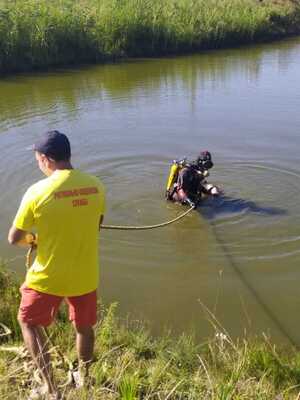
column 55, row 145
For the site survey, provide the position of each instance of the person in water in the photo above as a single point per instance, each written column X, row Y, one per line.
column 66, row 209
column 187, row 181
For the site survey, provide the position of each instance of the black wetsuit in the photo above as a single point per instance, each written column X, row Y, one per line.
column 188, row 185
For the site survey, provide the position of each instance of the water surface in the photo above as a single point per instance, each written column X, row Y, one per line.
column 239, row 256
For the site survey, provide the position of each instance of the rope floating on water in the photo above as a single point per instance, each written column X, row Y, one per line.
column 145, row 227
column 123, row 228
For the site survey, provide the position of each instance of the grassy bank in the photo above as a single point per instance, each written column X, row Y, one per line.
column 42, row 33
column 131, row 365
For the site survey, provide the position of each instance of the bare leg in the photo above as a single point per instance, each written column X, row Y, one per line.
column 85, row 339
column 36, row 343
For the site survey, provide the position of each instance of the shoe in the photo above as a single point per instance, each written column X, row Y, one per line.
column 41, row 392
column 53, row 396
column 78, row 379
column 38, row 392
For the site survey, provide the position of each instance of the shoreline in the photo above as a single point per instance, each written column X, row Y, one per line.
column 40, row 35
column 132, row 365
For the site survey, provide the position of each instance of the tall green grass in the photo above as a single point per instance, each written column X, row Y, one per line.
column 41, row 33
column 9, row 299
column 132, row 365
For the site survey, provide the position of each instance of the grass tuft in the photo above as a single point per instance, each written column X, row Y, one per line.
column 132, row 365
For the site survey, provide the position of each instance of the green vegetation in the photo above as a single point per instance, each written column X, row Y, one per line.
column 42, row 33
column 131, row 365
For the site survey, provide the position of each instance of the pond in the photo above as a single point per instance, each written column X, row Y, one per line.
column 236, row 257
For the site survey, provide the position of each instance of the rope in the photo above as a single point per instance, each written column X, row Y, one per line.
column 118, row 227
column 28, row 257
column 5, row 329
column 32, row 242
column 251, row 289
column 65, row 361
column 145, row 227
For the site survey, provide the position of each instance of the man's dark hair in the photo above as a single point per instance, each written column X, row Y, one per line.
column 55, row 145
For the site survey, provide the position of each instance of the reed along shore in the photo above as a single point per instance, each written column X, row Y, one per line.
column 37, row 34
column 130, row 364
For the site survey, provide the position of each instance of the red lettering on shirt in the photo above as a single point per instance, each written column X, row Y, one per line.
column 75, row 192
column 80, row 202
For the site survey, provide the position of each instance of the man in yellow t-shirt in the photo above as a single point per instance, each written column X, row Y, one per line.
column 66, row 209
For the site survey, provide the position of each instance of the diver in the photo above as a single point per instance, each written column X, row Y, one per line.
column 187, row 181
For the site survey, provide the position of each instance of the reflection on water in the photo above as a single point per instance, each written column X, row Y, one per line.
column 67, row 90
column 213, row 207
column 239, row 255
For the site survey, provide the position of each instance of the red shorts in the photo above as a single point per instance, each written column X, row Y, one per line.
column 39, row 308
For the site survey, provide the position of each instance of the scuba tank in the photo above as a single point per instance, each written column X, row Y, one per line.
column 175, row 168
column 173, row 174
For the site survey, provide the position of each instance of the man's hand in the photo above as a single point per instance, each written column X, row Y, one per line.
column 216, row 191
column 190, row 202
column 21, row 238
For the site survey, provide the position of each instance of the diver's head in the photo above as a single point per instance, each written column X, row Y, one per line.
column 204, row 160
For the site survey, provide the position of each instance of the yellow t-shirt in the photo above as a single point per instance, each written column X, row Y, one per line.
column 65, row 209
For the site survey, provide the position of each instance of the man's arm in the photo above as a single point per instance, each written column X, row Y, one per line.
column 19, row 233
column 19, row 237
column 210, row 189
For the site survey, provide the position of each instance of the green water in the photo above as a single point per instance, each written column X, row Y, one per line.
column 239, row 256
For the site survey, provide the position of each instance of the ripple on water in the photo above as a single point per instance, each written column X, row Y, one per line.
column 136, row 186
column 265, row 227
column 254, row 219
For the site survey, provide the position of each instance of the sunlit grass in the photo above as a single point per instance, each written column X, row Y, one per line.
column 9, row 299
column 131, row 365
column 40, row 33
